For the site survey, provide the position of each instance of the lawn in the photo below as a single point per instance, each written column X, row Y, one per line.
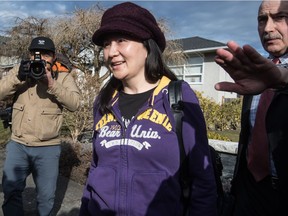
column 233, row 135
column 4, row 134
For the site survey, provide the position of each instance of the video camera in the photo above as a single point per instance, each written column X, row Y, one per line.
column 34, row 68
column 6, row 116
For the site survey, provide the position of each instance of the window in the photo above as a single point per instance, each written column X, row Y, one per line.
column 191, row 72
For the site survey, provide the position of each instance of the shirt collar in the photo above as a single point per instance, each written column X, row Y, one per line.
column 283, row 59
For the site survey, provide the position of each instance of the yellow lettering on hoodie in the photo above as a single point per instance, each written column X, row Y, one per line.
column 104, row 120
column 156, row 117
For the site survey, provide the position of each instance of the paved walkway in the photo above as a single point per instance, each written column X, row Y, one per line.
column 68, row 195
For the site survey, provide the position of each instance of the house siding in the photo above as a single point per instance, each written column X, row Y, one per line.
column 212, row 72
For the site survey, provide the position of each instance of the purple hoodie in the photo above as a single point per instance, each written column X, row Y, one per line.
column 135, row 170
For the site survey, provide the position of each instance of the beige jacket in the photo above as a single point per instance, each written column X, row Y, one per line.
column 37, row 112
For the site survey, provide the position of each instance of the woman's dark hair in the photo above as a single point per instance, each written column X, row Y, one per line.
column 155, row 69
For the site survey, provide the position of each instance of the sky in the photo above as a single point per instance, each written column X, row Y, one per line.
column 214, row 20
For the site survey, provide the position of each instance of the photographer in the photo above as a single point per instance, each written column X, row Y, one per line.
column 40, row 94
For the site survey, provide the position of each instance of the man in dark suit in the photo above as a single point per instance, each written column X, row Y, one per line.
column 261, row 188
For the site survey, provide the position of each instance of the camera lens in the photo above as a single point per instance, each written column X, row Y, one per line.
column 37, row 66
column 37, row 69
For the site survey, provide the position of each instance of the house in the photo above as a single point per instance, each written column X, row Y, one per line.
column 6, row 62
column 200, row 70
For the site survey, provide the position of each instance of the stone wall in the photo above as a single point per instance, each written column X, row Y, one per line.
column 224, row 146
column 228, row 152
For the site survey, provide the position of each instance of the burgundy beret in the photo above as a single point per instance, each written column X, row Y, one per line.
column 129, row 19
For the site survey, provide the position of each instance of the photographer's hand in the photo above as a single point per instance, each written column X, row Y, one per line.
column 48, row 78
column 23, row 71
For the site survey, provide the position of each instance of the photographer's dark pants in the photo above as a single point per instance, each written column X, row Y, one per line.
column 256, row 198
column 21, row 161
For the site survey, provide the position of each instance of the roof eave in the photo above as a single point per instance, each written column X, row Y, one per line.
column 205, row 49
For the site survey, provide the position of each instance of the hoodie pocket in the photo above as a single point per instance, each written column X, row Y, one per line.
column 101, row 184
column 145, row 188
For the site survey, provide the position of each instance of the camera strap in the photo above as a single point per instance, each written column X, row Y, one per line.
column 49, row 64
column 54, row 74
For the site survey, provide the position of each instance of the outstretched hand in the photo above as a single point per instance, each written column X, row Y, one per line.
column 251, row 72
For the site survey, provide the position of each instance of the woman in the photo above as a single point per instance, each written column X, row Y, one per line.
column 135, row 165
